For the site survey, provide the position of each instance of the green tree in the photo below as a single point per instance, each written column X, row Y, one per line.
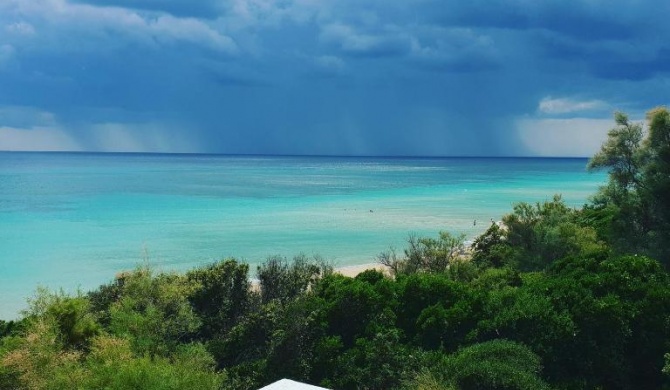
column 378, row 362
column 75, row 325
column 537, row 235
column 497, row 364
column 636, row 195
column 11, row 328
column 657, row 181
column 293, row 347
column 436, row 312
column 619, row 307
column 154, row 312
column 491, row 249
column 284, row 280
column 521, row 315
column 40, row 360
column 221, row 296
column 112, row 365
column 352, row 303
column 425, row 254
column 622, row 155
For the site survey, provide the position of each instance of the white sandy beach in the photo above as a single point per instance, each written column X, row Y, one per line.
column 353, row 270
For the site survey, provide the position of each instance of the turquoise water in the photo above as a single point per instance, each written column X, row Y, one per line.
column 75, row 220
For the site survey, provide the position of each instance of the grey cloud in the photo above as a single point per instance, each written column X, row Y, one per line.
column 584, row 20
column 208, row 9
column 367, row 44
column 58, row 26
column 616, row 60
column 455, row 50
column 623, row 68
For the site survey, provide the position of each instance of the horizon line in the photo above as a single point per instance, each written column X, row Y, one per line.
column 399, row 156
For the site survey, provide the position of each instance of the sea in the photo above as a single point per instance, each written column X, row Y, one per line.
column 72, row 221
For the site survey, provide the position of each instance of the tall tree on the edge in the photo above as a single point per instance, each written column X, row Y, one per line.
column 639, row 170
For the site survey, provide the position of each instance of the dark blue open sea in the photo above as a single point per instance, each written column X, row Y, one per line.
column 75, row 220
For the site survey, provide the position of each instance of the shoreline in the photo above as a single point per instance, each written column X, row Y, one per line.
column 353, row 270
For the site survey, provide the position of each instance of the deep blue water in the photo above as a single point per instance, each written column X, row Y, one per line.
column 74, row 220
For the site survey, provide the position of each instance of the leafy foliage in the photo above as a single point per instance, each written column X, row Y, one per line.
column 546, row 232
column 425, row 254
column 497, row 364
column 636, row 195
column 283, row 280
column 154, row 312
column 221, row 296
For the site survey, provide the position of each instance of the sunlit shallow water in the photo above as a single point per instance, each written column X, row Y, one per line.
column 75, row 220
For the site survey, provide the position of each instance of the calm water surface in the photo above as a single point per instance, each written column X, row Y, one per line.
column 74, row 220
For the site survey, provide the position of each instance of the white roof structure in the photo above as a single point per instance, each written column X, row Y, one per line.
column 287, row 384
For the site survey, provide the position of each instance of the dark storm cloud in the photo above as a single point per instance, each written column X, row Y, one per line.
column 325, row 77
column 616, row 60
column 622, row 68
column 581, row 19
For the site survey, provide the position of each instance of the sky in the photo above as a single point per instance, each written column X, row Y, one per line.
column 322, row 77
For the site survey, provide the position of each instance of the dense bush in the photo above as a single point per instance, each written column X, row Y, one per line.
column 589, row 320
